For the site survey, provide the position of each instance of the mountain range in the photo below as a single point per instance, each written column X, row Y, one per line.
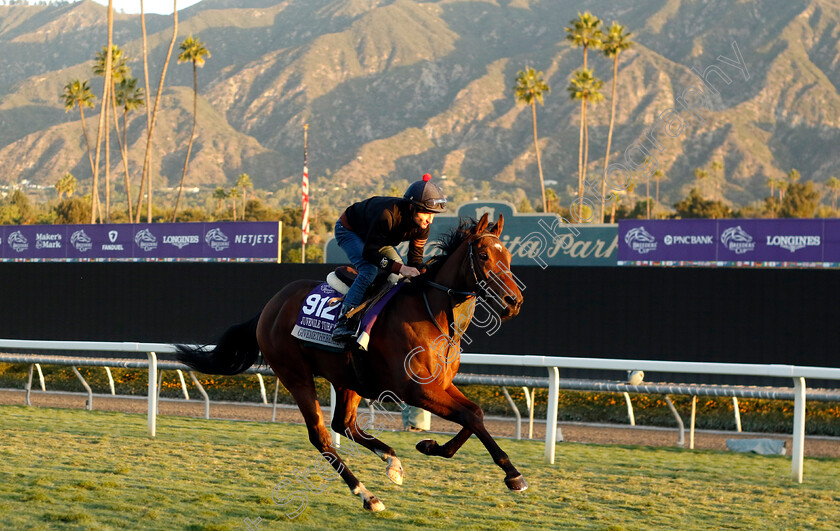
column 392, row 89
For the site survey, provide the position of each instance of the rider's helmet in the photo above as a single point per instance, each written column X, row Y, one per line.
column 426, row 196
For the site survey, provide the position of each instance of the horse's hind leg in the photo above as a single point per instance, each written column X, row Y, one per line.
column 303, row 391
column 435, row 399
column 347, row 423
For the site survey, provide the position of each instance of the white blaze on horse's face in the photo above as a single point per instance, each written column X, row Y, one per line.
column 493, row 261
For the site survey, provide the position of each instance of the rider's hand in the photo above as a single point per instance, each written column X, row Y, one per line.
column 408, row 271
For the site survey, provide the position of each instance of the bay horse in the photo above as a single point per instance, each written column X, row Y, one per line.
column 473, row 264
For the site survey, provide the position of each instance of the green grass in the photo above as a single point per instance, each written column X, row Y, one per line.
column 67, row 469
column 769, row 416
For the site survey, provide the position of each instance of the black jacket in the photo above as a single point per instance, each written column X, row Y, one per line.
column 382, row 221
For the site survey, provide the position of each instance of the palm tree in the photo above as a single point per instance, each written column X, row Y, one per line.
column 147, row 177
column 219, row 195
column 530, row 88
column 585, row 32
column 586, row 88
column 701, row 175
column 551, row 196
column 233, row 193
column 78, row 93
column 194, row 51
column 659, row 176
column 244, row 182
column 782, row 186
column 771, row 182
column 148, row 109
column 833, row 184
column 103, row 115
column 129, row 97
column 627, row 191
column 66, row 185
column 119, row 72
column 613, row 44
column 718, row 169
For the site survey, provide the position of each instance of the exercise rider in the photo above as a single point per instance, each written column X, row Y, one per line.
column 368, row 231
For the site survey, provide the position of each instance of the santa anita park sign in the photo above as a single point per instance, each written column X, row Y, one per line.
column 532, row 239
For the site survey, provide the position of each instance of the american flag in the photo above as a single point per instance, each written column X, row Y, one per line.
column 305, row 222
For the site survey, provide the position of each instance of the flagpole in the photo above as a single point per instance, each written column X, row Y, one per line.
column 305, row 218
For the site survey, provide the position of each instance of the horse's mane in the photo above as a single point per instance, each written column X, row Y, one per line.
column 448, row 243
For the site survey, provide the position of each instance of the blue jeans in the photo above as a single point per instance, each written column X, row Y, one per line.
column 353, row 245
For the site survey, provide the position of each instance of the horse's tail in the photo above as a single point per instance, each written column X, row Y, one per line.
column 235, row 352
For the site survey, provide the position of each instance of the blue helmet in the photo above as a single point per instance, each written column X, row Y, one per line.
column 426, row 196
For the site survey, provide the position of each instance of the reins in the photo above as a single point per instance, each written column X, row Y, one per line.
column 480, row 291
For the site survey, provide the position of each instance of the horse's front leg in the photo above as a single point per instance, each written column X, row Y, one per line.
column 434, row 398
column 447, row 450
column 345, row 422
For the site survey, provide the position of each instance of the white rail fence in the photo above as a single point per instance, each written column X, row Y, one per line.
column 551, row 363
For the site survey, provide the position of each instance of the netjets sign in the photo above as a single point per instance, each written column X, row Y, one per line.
column 532, row 239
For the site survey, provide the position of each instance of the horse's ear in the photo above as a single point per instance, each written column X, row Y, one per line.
column 497, row 228
column 481, row 226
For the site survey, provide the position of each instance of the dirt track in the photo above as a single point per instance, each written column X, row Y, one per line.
column 571, row 432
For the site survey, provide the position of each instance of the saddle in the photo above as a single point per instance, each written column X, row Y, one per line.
column 343, row 277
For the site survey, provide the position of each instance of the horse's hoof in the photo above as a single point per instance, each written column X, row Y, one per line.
column 426, row 446
column 516, row 484
column 395, row 471
column 374, row 505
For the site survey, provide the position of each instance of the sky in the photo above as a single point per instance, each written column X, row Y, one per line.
column 163, row 7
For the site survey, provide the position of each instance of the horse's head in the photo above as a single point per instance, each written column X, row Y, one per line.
column 485, row 266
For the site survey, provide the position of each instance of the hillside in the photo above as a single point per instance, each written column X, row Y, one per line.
column 395, row 88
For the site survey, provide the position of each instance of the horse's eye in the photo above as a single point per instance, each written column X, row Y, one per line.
column 483, row 256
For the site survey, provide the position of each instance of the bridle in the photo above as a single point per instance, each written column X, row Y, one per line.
column 480, row 289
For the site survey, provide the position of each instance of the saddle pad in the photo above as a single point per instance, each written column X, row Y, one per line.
column 369, row 318
column 318, row 316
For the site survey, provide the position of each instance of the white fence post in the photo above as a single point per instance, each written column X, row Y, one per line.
column 798, row 451
column 29, row 386
column 336, row 437
column 110, row 381
column 153, row 376
column 89, row 403
column 551, row 415
column 183, row 384
column 203, row 394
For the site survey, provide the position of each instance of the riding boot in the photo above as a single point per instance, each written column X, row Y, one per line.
column 343, row 330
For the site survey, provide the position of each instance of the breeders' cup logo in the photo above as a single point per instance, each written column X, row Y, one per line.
column 793, row 243
column 18, row 241
column 640, row 240
column 146, row 240
column 81, row 241
column 216, row 239
column 737, row 240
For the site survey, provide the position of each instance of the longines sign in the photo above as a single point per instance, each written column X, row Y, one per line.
column 532, row 239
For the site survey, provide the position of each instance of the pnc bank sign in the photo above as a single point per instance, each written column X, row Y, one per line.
column 532, row 239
